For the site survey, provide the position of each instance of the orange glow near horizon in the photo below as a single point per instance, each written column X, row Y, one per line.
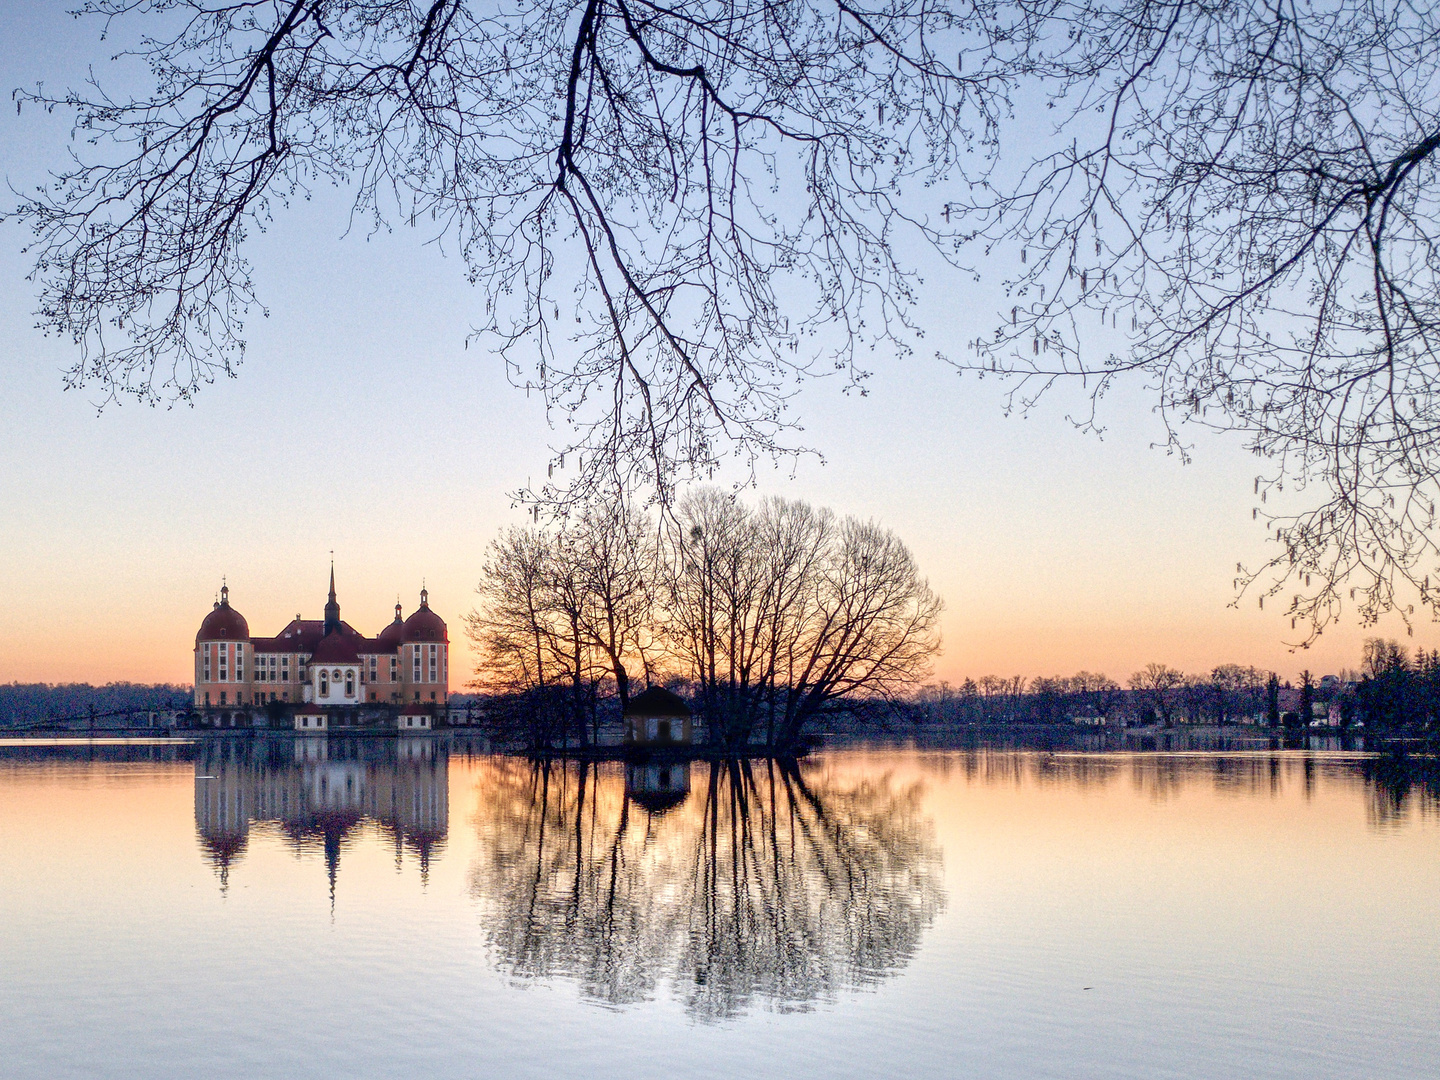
column 99, row 647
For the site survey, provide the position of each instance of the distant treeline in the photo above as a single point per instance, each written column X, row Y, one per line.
column 1159, row 694
column 25, row 703
column 1393, row 689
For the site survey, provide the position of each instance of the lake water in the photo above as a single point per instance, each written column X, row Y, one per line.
column 377, row 908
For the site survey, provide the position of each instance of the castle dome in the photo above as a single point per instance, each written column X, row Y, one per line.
column 423, row 624
column 223, row 623
column 390, row 638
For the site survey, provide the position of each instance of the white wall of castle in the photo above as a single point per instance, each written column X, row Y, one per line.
column 337, row 684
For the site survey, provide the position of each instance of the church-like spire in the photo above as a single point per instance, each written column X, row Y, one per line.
column 332, row 607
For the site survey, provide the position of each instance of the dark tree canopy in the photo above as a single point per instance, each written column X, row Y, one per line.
column 675, row 211
column 771, row 618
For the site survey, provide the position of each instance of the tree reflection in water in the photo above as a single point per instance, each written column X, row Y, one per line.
column 1397, row 784
column 770, row 883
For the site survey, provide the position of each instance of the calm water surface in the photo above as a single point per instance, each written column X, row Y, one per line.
column 391, row 908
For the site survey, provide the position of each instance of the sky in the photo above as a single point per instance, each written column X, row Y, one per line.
column 360, row 424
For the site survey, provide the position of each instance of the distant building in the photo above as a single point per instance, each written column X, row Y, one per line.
column 319, row 664
column 414, row 717
column 658, row 718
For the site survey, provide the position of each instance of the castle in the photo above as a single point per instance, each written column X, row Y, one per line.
column 322, row 674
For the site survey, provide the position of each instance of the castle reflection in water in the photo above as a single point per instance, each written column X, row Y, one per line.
column 724, row 884
column 320, row 794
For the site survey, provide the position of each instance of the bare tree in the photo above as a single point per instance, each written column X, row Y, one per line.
column 783, row 613
column 664, row 204
column 774, row 616
column 533, row 637
column 714, row 621
column 1237, row 202
column 610, row 552
column 516, row 647
column 1238, row 692
column 1098, row 693
column 661, row 202
column 1156, row 690
column 743, row 587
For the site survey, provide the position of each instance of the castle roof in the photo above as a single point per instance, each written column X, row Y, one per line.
column 423, row 624
column 390, row 638
column 340, row 647
column 223, row 623
column 307, row 636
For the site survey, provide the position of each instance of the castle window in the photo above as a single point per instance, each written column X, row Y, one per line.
column 394, row 669
column 285, row 669
column 207, row 654
column 415, row 659
column 349, row 684
column 324, row 685
column 222, row 697
column 224, row 663
column 433, row 668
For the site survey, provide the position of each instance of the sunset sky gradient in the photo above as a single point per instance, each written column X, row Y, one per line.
column 361, row 424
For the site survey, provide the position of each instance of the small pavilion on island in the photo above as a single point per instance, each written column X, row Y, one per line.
column 658, row 718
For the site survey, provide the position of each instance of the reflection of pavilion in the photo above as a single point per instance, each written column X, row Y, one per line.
column 320, row 794
column 657, row 787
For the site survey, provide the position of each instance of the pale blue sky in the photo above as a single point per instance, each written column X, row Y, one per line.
column 361, row 423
